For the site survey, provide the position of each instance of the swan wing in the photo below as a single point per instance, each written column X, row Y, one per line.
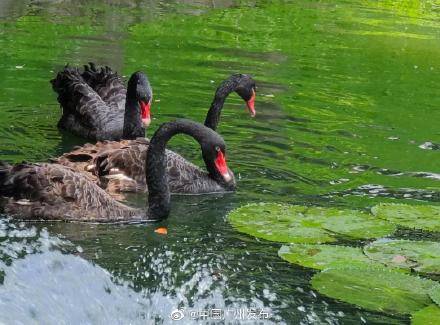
column 107, row 84
column 84, row 111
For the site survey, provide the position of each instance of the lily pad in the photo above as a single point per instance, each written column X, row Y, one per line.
column 427, row 316
column 424, row 217
column 351, row 223
column 322, row 256
column 277, row 222
column 375, row 288
column 300, row 224
column 435, row 294
column 420, row 256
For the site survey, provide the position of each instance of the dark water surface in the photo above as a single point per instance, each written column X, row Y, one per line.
column 348, row 115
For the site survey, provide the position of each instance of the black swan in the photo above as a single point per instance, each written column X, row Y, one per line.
column 56, row 192
column 96, row 105
column 118, row 166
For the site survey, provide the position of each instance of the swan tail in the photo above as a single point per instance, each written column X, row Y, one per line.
column 64, row 85
column 4, row 175
column 5, row 178
column 5, row 170
column 65, row 79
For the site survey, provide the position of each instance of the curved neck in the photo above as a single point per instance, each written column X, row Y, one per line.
column 222, row 92
column 156, row 174
column 132, row 117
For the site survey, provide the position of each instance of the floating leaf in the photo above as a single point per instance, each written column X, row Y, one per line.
column 375, row 288
column 424, row 217
column 352, row 223
column 299, row 224
column 435, row 294
column 322, row 256
column 277, row 222
column 421, row 256
column 427, row 316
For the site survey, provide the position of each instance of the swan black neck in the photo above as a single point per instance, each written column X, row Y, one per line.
column 138, row 90
column 226, row 87
column 156, row 175
column 133, row 127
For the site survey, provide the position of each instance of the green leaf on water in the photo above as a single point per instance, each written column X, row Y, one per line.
column 424, row 217
column 435, row 294
column 420, row 256
column 323, row 256
column 351, row 223
column 300, row 224
column 427, row 316
column 277, row 222
column 375, row 288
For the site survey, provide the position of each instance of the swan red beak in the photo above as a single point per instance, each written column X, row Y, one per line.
column 251, row 104
column 220, row 164
column 145, row 113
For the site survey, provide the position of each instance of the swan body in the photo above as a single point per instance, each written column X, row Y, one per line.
column 57, row 192
column 96, row 105
column 118, row 166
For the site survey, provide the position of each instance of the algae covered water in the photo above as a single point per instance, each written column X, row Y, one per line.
column 347, row 116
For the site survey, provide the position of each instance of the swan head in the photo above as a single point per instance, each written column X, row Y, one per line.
column 246, row 89
column 141, row 88
column 214, row 155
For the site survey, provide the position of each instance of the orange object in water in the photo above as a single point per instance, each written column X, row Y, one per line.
column 161, row 230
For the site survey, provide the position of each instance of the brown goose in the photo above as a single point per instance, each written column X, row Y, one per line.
column 96, row 105
column 56, row 192
column 118, row 165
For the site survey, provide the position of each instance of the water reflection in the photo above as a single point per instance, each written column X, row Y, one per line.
column 108, row 14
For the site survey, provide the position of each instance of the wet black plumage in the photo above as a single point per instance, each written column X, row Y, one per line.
column 96, row 105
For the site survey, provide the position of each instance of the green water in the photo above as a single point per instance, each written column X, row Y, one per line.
column 348, row 114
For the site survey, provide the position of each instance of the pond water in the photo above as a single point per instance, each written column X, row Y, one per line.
column 348, row 114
